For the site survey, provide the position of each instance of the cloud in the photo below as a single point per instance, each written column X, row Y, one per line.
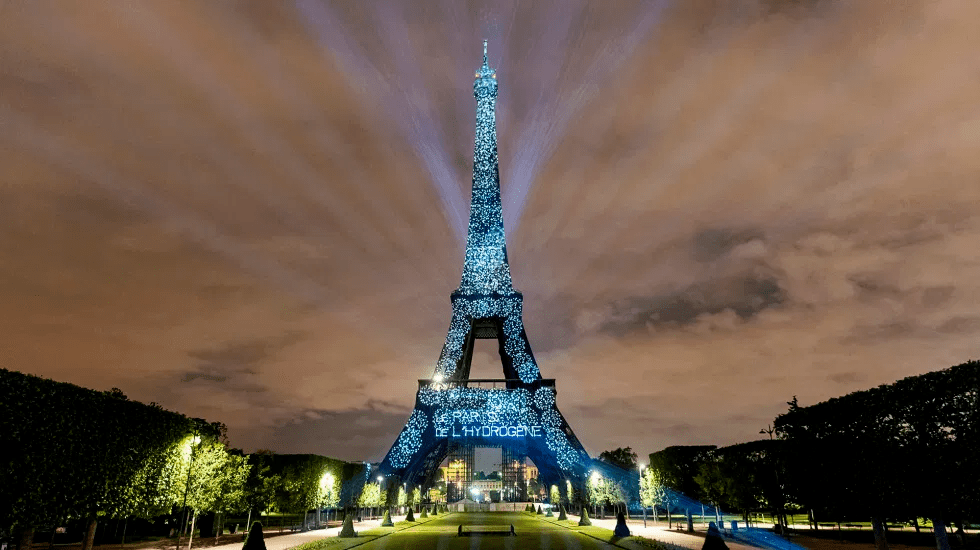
column 243, row 357
column 211, row 207
column 363, row 433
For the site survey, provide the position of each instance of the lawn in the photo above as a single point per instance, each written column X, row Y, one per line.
column 441, row 532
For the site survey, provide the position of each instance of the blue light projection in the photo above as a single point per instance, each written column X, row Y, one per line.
column 486, row 289
column 467, row 308
column 477, row 412
column 488, row 414
column 485, row 267
column 410, row 439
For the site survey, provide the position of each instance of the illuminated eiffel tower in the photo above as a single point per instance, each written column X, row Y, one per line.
column 453, row 413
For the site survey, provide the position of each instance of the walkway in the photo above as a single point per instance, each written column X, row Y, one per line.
column 661, row 533
column 284, row 542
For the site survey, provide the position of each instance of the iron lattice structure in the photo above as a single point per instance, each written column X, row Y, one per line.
column 514, row 485
column 459, row 473
column 517, row 413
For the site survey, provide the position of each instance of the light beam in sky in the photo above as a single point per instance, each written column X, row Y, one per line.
column 555, row 107
column 556, row 94
column 413, row 118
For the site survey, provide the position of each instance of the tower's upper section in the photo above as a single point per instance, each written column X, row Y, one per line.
column 485, row 83
column 485, row 267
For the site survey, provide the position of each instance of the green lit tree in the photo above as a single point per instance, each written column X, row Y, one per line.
column 370, row 496
column 654, row 492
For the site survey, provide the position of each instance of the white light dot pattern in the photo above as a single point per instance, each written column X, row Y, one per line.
column 410, row 440
column 486, row 292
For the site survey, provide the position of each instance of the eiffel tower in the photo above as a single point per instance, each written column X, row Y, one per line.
column 454, row 413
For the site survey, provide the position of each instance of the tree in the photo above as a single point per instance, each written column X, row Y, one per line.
column 714, row 486
column 912, row 449
column 604, row 491
column 624, row 457
column 260, row 485
column 370, row 496
column 653, row 492
column 554, row 495
column 533, row 488
column 678, row 465
column 306, row 481
column 72, row 452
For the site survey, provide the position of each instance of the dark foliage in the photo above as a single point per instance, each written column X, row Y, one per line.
column 903, row 450
column 71, row 452
column 624, row 457
column 679, row 465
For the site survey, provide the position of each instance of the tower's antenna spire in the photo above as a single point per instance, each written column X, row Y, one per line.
column 484, row 52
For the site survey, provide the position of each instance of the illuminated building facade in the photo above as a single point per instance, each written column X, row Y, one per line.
column 484, row 490
column 454, row 413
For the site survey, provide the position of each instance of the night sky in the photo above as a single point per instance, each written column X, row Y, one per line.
column 253, row 211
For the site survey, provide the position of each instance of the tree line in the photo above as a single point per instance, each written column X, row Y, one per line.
column 72, row 454
column 898, row 452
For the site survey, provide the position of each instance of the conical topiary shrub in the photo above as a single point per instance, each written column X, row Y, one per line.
column 713, row 540
column 425, row 512
column 583, row 520
column 528, row 507
column 410, row 516
column 435, row 510
column 561, row 515
column 549, row 514
column 347, row 531
column 255, row 540
column 539, row 512
column 621, row 529
column 386, row 522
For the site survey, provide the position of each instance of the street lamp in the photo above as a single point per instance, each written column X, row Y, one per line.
column 194, row 441
column 595, row 479
column 643, row 505
column 326, row 485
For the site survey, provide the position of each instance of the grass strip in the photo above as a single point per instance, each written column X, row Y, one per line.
column 632, row 542
column 363, row 537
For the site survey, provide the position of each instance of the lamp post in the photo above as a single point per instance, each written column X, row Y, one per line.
column 327, row 480
column 383, row 498
column 643, row 505
column 194, row 441
column 595, row 478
